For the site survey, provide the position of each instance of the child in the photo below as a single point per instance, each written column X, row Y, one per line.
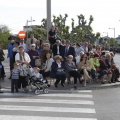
column 15, row 78
column 37, row 74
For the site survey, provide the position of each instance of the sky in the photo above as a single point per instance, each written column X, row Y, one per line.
column 15, row 13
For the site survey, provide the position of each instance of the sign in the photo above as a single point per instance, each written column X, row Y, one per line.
column 22, row 34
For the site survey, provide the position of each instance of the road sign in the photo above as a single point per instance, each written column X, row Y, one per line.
column 22, row 34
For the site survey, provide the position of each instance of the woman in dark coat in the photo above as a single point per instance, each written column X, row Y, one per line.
column 58, row 71
column 33, row 55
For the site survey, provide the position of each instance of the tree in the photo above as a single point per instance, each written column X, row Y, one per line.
column 4, row 34
column 113, row 42
column 39, row 31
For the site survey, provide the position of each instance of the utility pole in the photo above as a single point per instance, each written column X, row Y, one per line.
column 48, row 16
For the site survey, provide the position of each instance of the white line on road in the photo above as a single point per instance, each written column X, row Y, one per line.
column 13, row 117
column 67, row 95
column 47, row 109
column 87, row 102
column 50, row 95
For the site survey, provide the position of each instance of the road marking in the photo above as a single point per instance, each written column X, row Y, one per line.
column 16, row 117
column 87, row 102
column 69, row 91
column 50, row 95
column 47, row 109
column 67, row 95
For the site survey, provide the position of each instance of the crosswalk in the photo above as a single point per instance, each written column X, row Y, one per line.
column 53, row 106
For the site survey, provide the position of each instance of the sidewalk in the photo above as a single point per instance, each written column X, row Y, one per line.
column 6, row 83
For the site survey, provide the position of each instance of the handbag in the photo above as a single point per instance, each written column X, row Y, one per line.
column 38, row 62
column 2, row 58
column 61, row 72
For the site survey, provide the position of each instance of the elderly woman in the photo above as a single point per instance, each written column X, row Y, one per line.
column 71, row 70
column 58, row 71
column 84, row 68
column 105, row 69
column 23, row 60
column 33, row 53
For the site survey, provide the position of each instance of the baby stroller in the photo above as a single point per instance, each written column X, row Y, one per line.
column 36, row 84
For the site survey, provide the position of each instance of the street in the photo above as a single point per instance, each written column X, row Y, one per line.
column 75, row 105
column 95, row 104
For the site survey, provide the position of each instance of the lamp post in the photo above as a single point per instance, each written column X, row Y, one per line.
column 114, row 31
column 48, row 16
column 31, row 25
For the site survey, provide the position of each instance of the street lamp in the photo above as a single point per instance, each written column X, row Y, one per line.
column 114, row 31
column 31, row 25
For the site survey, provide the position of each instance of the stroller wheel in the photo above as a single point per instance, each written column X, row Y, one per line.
column 46, row 91
column 37, row 91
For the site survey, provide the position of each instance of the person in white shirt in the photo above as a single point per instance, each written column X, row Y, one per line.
column 24, row 45
column 78, row 57
column 78, row 49
column 23, row 59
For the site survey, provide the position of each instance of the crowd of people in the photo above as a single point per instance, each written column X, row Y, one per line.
column 61, row 60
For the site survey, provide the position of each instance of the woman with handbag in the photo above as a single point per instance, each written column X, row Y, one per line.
column 71, row 70
column 34, row 55
column 85, row 68
column 23, row 59
column 58, row 71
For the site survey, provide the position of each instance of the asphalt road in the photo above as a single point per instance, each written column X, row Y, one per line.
column 107, row 104
column 75, row 105
column 102, row 104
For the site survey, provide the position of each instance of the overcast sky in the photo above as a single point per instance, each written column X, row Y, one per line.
column 14, row 13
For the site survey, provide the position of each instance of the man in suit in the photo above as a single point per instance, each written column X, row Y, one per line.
column 57, row 48
column 30, row 41
column 68, row 50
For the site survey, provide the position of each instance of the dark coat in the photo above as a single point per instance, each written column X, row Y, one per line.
column 69, row 67
column 71, row 51
column 32, row 53
column 104, row 66
column 54, row 49
column 54, row 68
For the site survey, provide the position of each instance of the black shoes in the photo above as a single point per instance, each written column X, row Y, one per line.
column 62, row 85
column 55, row 85
column 9, row 77
column 75, row 87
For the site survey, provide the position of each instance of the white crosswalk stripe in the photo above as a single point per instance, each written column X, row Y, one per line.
column 8, row 117
column 58, row 103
